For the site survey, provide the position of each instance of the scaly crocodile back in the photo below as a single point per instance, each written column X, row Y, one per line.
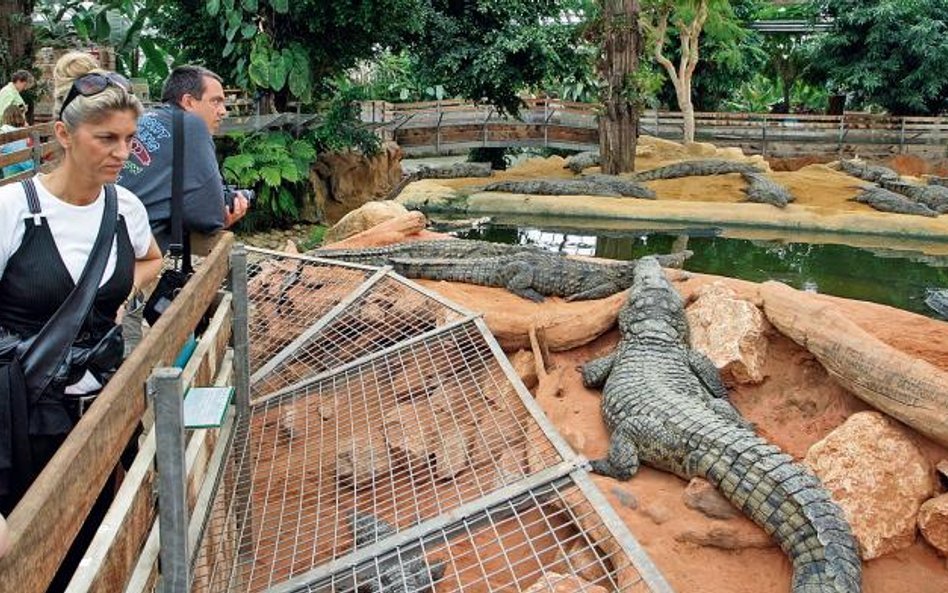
column 660, row 413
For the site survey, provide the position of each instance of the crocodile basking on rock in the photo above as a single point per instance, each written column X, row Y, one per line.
column 933, row 196
column 763, row 190
column 697, row 168
column 441, row 248
column 533, row 275
column 596, row 185
column 665, row 406
column 407, row 572
column 884, row 200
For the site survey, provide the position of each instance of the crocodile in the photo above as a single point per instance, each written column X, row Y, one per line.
column 939, row 181
column 867, row 172
column 408, row 572
column 593, row 185
column 440, row 248
column 933, row 196
column 533, row 275
column 764, row 190
column 453, row 171
column 665, row 406
column 626, row 187
column 888, row 201
column 697, row 168
column 583, row 160
column 937, row 300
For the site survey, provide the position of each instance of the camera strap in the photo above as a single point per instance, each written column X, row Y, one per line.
column 180, row 246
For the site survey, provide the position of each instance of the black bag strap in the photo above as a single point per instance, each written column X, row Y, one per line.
column 180, row 246
column 47, row 349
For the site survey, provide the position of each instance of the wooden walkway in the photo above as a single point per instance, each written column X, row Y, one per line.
column 450, row 126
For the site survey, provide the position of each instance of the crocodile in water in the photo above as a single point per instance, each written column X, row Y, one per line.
column 763, row 190
column 884, row 200
column 697, row 168
column 407, row 572
column 664, row 408
column 933, row 196
column 533, row 275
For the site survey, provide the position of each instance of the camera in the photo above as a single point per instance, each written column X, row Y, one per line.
column 230, row 191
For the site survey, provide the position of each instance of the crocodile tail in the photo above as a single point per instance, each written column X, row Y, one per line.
column 792, row 506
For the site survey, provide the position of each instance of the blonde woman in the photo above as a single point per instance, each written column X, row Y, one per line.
column 42, row 254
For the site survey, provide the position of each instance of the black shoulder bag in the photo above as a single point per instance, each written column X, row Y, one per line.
column 35, row 361
column 173, row 279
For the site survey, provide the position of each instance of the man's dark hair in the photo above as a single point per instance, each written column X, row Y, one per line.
column 186, row 80
column 22, row 75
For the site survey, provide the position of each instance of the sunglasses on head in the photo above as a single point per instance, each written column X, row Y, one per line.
column 92, row 84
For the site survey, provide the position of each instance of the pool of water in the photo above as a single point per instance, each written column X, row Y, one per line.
column 896, row 277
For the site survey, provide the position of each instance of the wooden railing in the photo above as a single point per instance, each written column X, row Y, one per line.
column 44, row 524
column 42, row 146
column 456, row 124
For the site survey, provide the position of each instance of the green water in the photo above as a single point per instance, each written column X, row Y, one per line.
column 890, row 277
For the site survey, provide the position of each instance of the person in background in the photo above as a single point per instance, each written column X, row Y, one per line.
column 12, row 119
column 10, row 93
column 199, row 93
column 42, row 257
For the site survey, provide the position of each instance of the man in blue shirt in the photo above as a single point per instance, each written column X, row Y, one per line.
column 199, row 93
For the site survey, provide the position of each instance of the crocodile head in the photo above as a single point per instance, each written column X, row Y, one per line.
column 655, row 311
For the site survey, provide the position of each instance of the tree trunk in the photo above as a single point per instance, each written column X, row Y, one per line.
column 687, row 116
column 618, row 124
column 17, row 31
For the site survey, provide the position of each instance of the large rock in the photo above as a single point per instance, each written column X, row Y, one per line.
column 364, row 218
column 933, row 523
column 730, row 331
column 878, row 476
column 344, row 181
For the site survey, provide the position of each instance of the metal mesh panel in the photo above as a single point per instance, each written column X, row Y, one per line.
column 383, row 312
column 288, row 293
column 410, row 434
column 530, row 543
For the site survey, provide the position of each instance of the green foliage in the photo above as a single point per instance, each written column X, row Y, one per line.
column 396, row 76
column 757, row 95
column 315, row 239
column 276, row 166
column 340, row 127
column 494, row 49
column 730, row 52
column 888, row 52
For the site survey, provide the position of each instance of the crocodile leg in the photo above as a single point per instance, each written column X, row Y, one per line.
column 597, row 292
column 596, row 371
column 519, row 277
column 622, row 461
column 707, row 373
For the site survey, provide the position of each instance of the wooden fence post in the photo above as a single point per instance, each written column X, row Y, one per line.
column 37, row 150
column 902, row 137
column 763, row 136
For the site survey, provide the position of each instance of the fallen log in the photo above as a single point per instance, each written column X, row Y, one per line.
column 904, row 387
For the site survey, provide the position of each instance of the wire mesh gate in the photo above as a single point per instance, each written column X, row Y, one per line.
column 390, row 446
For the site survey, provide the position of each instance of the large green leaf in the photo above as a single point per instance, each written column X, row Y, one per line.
column 279, row 68
column 290, row 172
column 271, row 176
column 213, row 7
column 249, row 5
column 156, row 58
column 259, row 69
column 299, row 79
column 281, row 6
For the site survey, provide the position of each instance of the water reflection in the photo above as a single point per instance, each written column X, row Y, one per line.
column 898, row 278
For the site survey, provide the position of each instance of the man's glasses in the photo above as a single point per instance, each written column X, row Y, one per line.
column 92, row 84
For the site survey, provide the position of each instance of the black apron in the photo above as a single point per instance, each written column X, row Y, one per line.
column 34, row 284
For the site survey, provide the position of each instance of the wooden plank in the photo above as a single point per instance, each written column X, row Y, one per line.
column 21, row 133
column 46, row 521
column 113, row 552
column 12, row 158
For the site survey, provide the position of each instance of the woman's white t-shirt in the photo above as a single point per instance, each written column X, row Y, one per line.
column 74, row 229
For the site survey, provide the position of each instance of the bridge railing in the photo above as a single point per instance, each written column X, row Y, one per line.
column 453, row 124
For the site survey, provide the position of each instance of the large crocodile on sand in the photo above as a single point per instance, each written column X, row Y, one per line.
column 933, row 196
column 763, row 190
column 697, row 168
column 867, row 172
column 408, row 572
column 533, row 275
column 664, row 408
column 884, row 200
column 584, row 186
